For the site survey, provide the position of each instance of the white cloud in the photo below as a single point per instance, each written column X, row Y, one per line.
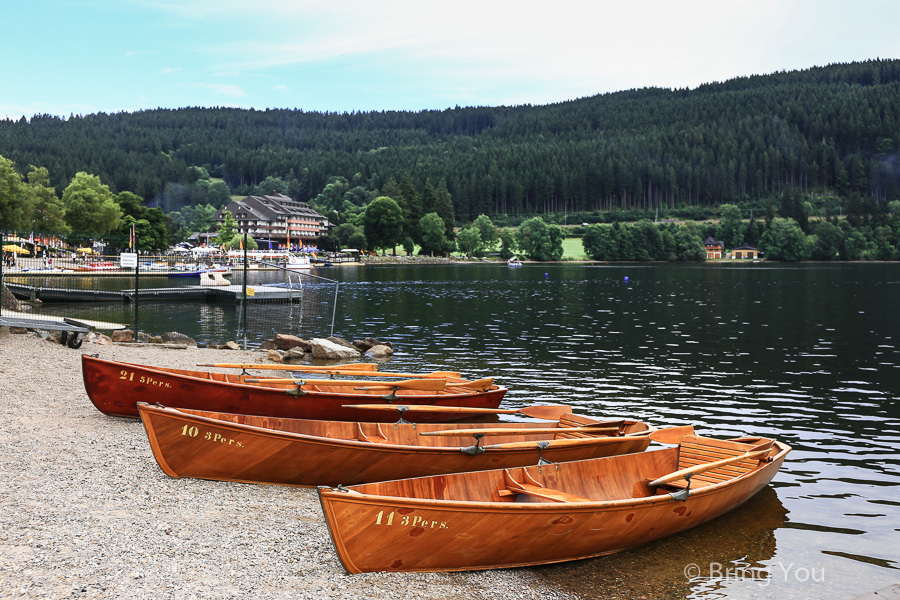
column 170, row 70
column 222, row 89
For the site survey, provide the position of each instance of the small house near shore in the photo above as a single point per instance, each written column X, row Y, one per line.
column 714, row 248
column 744, row 253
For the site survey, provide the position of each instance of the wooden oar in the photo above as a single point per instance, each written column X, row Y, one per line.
column 368, row 367
column 479, row 384
column 669, row 435
column 599, row 428
column 435, row 375
column 702, row 468
column 548, row 412
column 555, row 443
column 430, row 385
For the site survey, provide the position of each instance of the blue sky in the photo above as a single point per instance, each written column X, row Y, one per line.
column 86, row 56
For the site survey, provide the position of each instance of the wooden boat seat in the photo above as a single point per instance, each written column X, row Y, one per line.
column 610, row 428
column 477, row 385
column 528, row 486
column 695, row 450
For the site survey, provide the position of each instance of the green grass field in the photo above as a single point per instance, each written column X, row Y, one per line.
column 572, row 248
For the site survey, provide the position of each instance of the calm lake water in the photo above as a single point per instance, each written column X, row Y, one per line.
column 806, row 354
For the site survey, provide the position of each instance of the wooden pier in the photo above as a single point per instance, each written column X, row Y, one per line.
column 221, row 293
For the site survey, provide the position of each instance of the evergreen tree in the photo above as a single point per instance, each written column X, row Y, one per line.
column 411, row 207
column 227, row 229
column 444, row 207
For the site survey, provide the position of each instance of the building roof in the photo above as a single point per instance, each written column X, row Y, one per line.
column 271, row 208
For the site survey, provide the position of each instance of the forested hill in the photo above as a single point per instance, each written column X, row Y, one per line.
column 825, row 128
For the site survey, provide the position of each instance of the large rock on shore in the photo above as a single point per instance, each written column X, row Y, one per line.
column 123, row 335
column 379, row 351
column 173, row 337
column 368, row 343
column 340, row 342
column 8, row 301
column 331, row 351
column 284, row 341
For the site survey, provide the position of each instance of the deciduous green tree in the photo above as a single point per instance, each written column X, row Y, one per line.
column 785, row 241
column 598, row 242
column 828, row 240
column 434, row 241
column 730, row 229
column 508, row 244
column 488, row 231
column 90, row 207
column 48, row 213
column 540, row 241
column 237, row 242
column 468, row 239
column 383, row 223
column 15, row 211
column 688, row 244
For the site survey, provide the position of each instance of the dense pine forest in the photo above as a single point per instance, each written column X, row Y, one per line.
column 825, row 130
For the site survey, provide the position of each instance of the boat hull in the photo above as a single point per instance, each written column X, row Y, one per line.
column 426, row 533
column 294, row 452
column 115, row 388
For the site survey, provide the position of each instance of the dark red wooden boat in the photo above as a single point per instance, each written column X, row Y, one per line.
column 115, row 388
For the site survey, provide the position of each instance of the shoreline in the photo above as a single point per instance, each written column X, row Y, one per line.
column 85, row 511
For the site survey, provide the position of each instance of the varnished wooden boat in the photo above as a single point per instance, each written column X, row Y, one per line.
column 115, row 388
column 530, row 516
column 253, row 449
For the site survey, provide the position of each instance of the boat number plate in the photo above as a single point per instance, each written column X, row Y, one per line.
column 144, row 379
column 192, row 431
column 393, row 518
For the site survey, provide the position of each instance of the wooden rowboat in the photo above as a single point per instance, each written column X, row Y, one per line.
column 529, row 516
column 115, row 388
column 253, row 449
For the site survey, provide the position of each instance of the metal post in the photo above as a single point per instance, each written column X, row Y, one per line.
column 244, row 293
column 2, row 260
column 137, row 287
column 334, row 308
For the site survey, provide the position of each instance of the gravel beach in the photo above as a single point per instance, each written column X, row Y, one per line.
column 85, row 511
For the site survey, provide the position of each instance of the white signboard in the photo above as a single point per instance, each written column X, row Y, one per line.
column 128, row 260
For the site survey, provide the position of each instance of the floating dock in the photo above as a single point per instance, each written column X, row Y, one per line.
column 204, row 293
